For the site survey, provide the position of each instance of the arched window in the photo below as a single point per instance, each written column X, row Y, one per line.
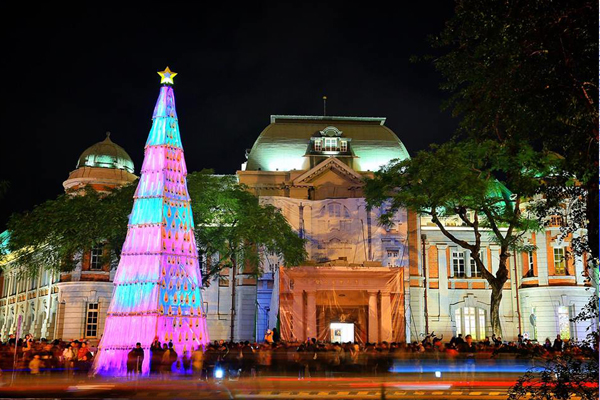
column 471, row 321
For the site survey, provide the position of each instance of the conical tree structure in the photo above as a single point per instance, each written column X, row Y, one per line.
column 158, row 282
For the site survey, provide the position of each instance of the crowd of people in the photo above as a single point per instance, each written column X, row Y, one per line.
column 43, row 356
column 273, row 356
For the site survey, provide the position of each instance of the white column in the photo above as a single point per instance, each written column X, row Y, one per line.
column 386, row 317
column 452, row 249
column 468, row 263
column 373, row 328
column 311, row 314
column 443, row 280
column 297, row 315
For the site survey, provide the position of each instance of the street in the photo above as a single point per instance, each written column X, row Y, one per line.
column 399, row 386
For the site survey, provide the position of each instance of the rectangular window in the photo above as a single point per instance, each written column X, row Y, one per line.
column 564, row 326
column 45, row 277
column 556, row 220
column 91, row 321
column 560, row 263
column 475, row 271
column 530, row 264
column 331, row 144
column 392, row 258
column 33, row 283
column 96, row 258
column 223, row 281
column 345, row 225
column 13, row 285
column 318, row 145
column 470, row 321
column 343, row 146
column 458, row 264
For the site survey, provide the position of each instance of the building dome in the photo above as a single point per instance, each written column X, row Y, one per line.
column 106, row 154
column 102, row 166
column 282, row 146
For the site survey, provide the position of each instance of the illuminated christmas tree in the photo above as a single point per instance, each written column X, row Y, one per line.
column 158, row 281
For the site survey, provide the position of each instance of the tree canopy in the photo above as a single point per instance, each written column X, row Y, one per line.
column 233, row 226
column 482, row 183
column 228, row 219
column 526, row 71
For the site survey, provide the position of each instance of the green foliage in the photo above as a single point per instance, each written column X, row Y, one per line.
column 482, row 183
column 487, row 178
column 562, row 378
column 233, row 226
column 230, row 223
column 526, row 71
column 55, row 233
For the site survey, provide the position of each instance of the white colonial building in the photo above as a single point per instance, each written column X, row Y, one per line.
column 70, row 305
column 362, row 282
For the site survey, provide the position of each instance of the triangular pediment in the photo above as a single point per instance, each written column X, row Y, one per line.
column 329, row 166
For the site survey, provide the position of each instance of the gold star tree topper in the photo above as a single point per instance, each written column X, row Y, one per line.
column 167, row 76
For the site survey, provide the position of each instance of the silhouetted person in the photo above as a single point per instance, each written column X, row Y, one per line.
column 135, row 358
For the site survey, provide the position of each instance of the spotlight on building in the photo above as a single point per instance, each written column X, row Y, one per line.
column 438, row 374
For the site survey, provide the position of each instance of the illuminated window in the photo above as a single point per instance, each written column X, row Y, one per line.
column 560, row 262
column 556, row 220
column 96, row 258
column 91, row 322
column 458, row 264
column 471, row 321
column 564, row 323
column 343, row 146
column 318, row 145
column 331, row 144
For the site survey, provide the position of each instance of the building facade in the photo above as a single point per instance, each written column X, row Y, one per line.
column 69, row 305
column 362, row 282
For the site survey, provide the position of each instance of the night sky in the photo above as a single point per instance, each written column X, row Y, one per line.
column 70, row 75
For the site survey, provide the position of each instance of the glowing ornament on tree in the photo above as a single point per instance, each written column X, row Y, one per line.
column 159, row 269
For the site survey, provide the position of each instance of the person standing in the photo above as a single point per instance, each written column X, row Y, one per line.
column 269, row 336
column 168, row 359
column 558, row 344
column 69, row 357
column 35, row 364
column 276, row 336
column 135, row 358
column 156, row 353
column 84, row 358
column 198, row 361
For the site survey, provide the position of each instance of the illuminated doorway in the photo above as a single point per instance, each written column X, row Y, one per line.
column 341, row 332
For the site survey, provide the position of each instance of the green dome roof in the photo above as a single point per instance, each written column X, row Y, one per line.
column 106, row 154
column 283, row 144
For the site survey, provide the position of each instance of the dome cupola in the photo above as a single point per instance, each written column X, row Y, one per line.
column 102, row 166
column 106, row 154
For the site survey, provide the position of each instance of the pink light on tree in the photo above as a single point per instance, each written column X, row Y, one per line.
column 158, row 283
